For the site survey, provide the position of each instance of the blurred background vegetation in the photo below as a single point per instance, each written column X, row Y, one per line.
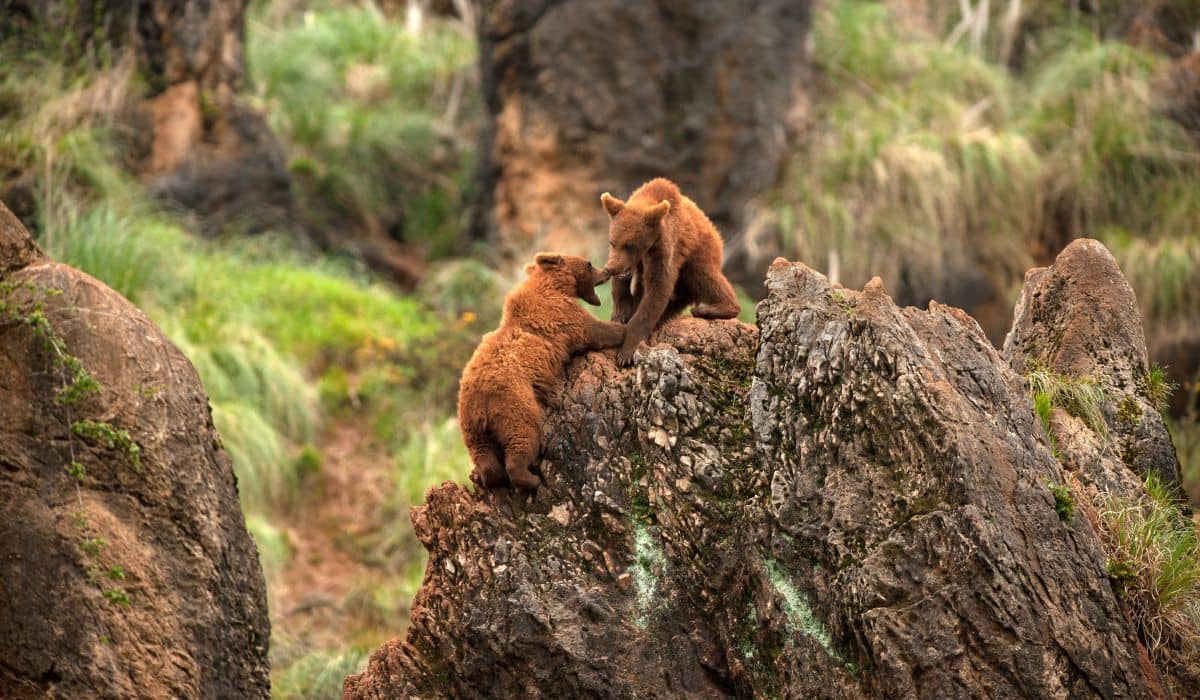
column 930, row 146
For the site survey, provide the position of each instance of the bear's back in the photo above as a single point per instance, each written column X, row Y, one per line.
column 694, row 233
column 531, row 346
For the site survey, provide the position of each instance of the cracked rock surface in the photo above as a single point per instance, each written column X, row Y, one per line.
column 850, row 500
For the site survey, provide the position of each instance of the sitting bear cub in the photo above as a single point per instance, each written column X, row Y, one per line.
column 665, row 256
column 498, row 398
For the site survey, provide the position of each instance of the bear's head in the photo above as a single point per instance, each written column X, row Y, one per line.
column 572, row 274
column 633, row 231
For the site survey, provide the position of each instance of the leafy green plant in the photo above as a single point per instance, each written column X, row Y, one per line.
column 110, row 437
column 1064, row 501
column 117, row 596
column 92, row 546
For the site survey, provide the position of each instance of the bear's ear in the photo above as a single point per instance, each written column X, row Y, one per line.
column 656, row 213
column 612, row 205
column 548, row 260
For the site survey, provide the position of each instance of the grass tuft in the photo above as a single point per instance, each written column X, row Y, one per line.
column 1159, row 389
column 432, row 453
column 1154, row 556
column 318, row 675
column 1082, row 397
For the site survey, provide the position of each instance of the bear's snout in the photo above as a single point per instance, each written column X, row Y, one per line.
column 618, row 271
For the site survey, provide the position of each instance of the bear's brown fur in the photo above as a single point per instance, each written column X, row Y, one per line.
column 499, row 410
column 665, row 255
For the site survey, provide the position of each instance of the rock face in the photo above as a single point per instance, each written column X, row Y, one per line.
column 1079, row 318
column 131, row 574
column 194, row 142
column 854, row 501
column 592, row 96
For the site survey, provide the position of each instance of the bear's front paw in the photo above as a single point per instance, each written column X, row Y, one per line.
column 524, row 479
column 625, row 356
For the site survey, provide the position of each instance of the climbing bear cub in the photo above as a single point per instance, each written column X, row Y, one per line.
column 665, row 255
column 512, row 369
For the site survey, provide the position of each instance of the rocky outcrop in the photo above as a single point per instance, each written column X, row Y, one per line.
column 852, row 500
column 192, row 140
column 1079, row 318
column 595, row 96
column 128, row 571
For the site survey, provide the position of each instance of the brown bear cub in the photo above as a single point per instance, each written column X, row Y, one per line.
column 499, row 410
column 665, row 255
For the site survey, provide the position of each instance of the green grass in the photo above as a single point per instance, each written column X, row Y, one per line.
column 1165, row 273
column 1082, row 397
column 913, row 165
column 378, row 122
column 1154, row 555
column 925, row 159
column 274, row 548
column 318, row 675
column 432, row 454
column 1114, row 165
column 264, row 322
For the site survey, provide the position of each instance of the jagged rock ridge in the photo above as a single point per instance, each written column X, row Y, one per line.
column 852, row 501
